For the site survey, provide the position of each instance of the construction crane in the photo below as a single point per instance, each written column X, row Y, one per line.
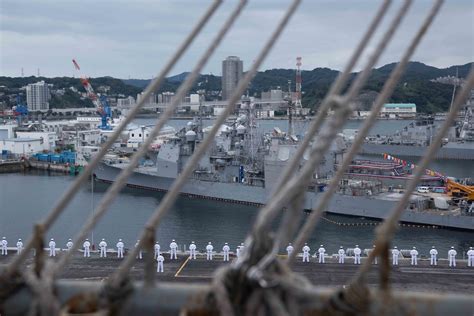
column 460, row 190
column 20, row 110
column 101, row 104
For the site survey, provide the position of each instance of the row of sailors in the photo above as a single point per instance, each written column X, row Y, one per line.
column 226, row 250
column 395, row 255
column 121, row 246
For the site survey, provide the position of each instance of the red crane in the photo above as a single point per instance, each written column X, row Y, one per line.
column 90, row 91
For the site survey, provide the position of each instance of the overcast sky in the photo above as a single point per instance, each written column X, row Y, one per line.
column 134, row 38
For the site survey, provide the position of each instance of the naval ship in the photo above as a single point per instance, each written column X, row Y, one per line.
column 413, row 140
column 243, row 167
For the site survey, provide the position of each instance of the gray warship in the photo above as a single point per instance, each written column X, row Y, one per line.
column 413, row 139
column 243, row 166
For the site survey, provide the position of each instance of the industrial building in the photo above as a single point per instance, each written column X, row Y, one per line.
column 22, row 146
column 232, row 69
column 38, row 96
column 398, row 110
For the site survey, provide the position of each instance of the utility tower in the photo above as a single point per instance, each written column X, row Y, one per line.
column 298, row 105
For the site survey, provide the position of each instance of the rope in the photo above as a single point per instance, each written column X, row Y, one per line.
column 387, row 90
column 335, row 89
column 44, row 301
column 173, row 192
column 258, row 282
column 300, row 181
column 149, row 257
column 84, row 176
column 121, row 179
column 386, row 231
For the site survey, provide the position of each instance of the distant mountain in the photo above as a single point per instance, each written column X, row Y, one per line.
column 178, row 78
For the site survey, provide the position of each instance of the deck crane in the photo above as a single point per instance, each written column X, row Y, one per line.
column 101, row 104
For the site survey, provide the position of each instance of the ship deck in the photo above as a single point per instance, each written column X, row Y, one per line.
column 331, row 274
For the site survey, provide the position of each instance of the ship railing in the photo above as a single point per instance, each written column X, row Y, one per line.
column 258, row 282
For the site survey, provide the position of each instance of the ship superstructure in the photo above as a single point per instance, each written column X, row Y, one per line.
column 413, row 139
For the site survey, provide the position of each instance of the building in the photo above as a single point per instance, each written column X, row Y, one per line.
column 125, row 102
column 275, row 95
column 47, row 139
column 38, row 96
column 232, row 69
column 150, row 100
column 22, row 146
column 398, row 110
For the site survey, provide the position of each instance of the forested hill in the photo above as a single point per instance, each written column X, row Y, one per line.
column 416, row 85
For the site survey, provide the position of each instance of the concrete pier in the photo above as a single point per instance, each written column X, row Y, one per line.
column 8, row 166
column 423, row 277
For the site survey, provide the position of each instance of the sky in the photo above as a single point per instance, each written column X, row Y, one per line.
column 134, row 39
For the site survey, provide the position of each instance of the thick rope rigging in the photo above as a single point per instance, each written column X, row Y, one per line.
column 85, row 175
column 121, row 179
column 258, row 283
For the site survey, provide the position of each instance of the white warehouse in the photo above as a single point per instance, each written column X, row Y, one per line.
column 398, row 110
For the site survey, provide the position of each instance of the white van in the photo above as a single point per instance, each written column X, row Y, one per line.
column 423, row 189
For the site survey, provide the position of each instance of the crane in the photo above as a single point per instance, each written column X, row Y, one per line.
column 20, row 110
column 461, row 190
column 101, row 104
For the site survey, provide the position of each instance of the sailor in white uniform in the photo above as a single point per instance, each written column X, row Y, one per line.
column 4, row 245
column 87, row 248
column 209, row 249
column 470, row 257
column 289, row 249
column 306, row 251
column 452, row 257
column 19, row 246
column 103, row 248
column 414, row 256
column 192, row 250
column 140, row 252
column 160, row 259
column 52, row 248
column 341, row 254
column 357, row 253
column 157, row 250
column 120, row 245
column 433, row 256
column 173, row 250
column 226, row 250
column 321, row 252
column 395, row 254
column 69, row 244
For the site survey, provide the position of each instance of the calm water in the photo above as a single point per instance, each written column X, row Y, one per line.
column 26, row 198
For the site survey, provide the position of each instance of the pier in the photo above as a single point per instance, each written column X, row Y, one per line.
column 17, row 165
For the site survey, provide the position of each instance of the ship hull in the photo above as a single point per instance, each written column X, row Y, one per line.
column 361, row 206
column 416, row 151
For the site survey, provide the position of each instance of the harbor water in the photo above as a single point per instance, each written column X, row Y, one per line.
column 25, row 198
